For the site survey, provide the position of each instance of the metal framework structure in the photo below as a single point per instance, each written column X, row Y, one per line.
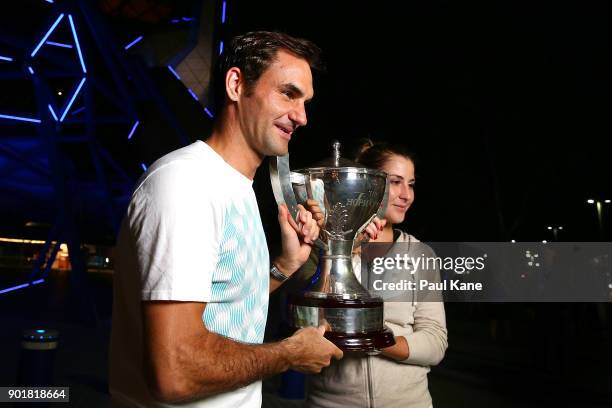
column 35, row 146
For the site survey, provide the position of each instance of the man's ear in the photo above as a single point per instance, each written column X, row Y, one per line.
column 233, row 83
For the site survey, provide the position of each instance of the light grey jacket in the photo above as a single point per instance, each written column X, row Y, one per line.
column 377, row 381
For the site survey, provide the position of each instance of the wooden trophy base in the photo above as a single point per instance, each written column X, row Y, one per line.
column 371, row 342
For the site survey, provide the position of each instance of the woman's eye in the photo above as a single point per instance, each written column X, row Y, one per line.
column 395, row 182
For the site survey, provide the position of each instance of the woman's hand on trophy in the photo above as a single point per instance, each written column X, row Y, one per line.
column 400, row 351
column 373, row 229
column 296, row 238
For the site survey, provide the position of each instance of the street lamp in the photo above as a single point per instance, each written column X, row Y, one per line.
column 599, row 204
column 555, row 230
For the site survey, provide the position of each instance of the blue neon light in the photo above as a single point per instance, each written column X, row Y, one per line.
column 40, row 44
column 133, row 129
column 76, row 42
column 144, row 166
column 81, row 109
column 40, row 331
column 5, row 58
column 57, row 44
column 20, row 118
column 52, row 112
column 72, row 100
column 49, row 1
column 174, row 72
column 127, row 47
column 25, row 285
column 186, row 18
column 221, row 48
column 31, row 70
column 223, row 13
column 209, row 113
column 174, row 21
column 193, row 94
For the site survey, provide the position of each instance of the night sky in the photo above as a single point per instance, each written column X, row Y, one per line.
column 506, row 105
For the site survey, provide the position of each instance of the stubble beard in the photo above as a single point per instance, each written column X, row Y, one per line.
column 276, row 146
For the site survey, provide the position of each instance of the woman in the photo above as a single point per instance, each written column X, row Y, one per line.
column 398, row 376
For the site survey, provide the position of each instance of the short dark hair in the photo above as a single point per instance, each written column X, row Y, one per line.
column 375, row 154
column 253, row 53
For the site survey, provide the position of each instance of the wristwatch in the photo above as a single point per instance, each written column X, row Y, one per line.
column 278, row 275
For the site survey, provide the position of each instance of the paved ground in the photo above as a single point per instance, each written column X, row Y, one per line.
column 499, row 356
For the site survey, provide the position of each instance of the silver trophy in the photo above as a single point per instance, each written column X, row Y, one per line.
column 350, row 196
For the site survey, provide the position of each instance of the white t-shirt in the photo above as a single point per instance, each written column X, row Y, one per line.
column 192, row 233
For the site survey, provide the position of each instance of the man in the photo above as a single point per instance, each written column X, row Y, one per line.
column 192, row 279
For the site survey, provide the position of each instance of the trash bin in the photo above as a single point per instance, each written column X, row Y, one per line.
column 36, row 366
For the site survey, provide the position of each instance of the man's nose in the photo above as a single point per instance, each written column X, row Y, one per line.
column 298, row 115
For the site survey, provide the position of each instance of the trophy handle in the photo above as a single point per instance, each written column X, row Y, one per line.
column 382, row 209
column 383, row 206
column 280, row 177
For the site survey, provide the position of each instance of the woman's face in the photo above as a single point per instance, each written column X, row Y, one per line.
column 401, row 187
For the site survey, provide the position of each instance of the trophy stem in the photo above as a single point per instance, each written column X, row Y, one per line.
column 335, row 277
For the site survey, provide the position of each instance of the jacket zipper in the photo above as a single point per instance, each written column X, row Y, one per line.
column 370, row 387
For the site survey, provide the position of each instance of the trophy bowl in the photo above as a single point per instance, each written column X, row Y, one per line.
column 350, row 196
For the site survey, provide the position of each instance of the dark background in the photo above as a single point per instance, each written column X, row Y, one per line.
column 506, row 105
